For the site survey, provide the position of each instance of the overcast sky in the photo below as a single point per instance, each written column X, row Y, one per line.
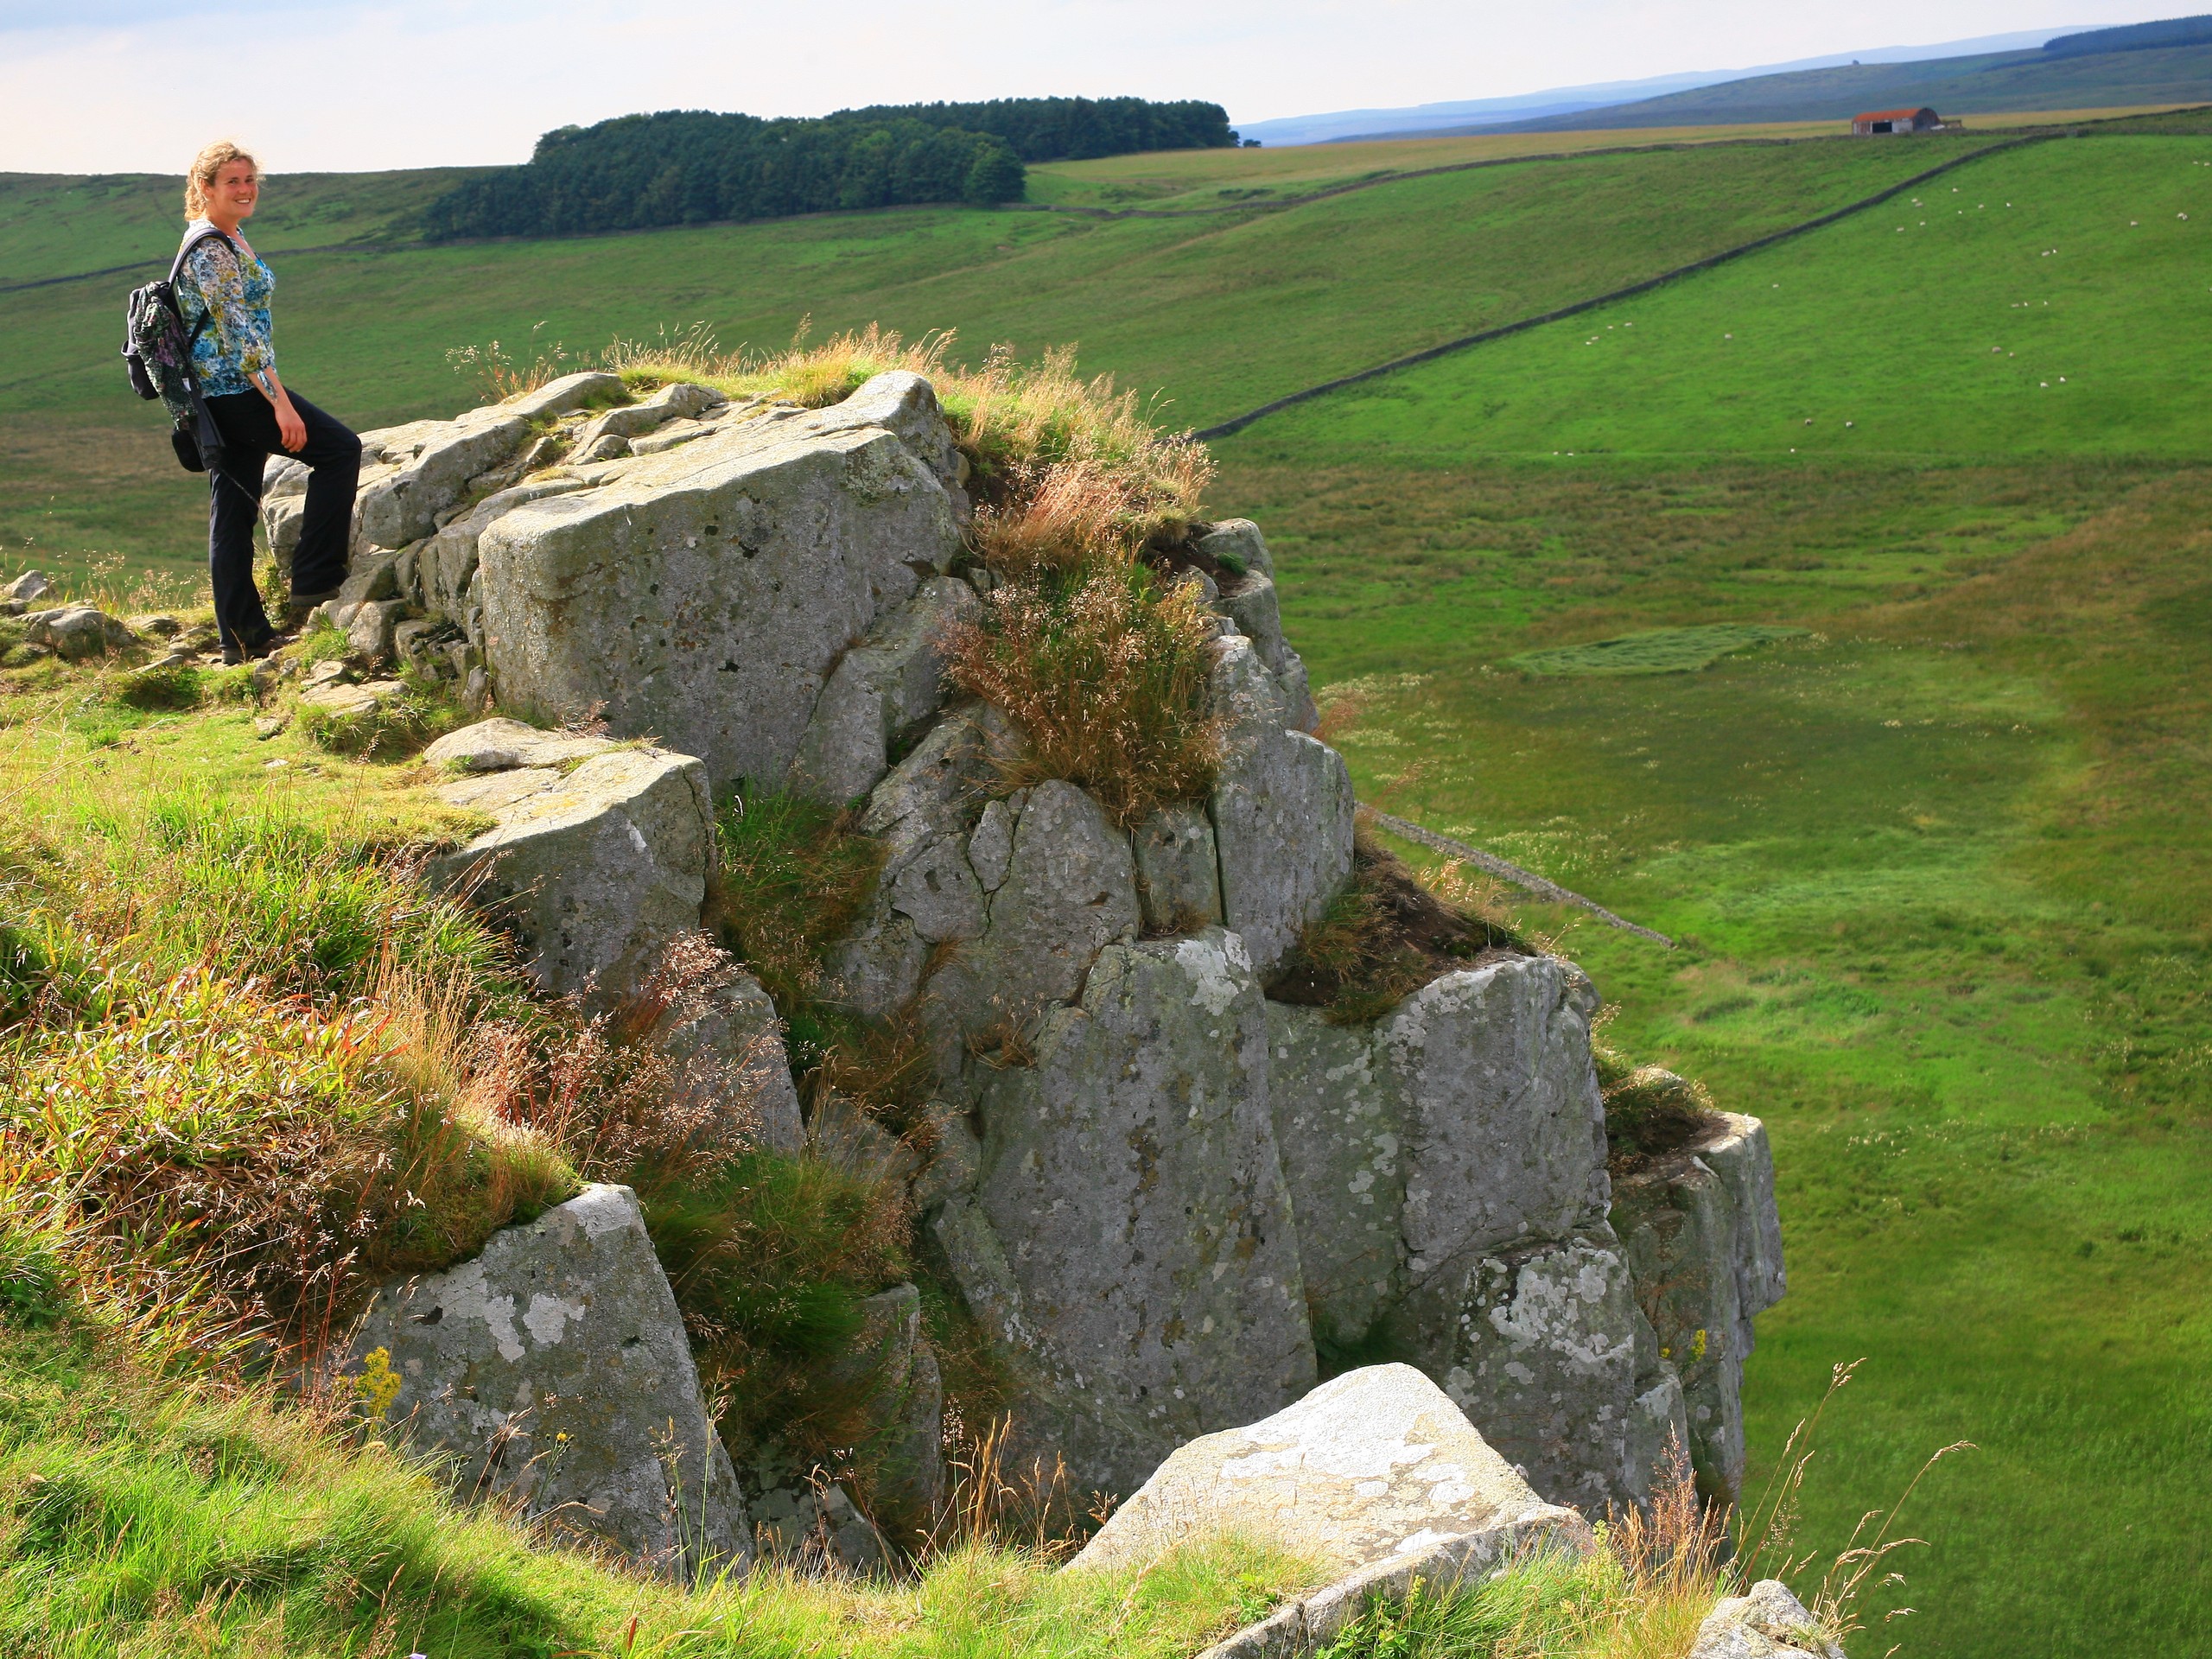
column 127, row 85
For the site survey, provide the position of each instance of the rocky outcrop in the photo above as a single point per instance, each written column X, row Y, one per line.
column 1447, row 1168
column 554, row 1371
column 1376, row 1476
column 1766, row 1622
column 1170, row 1202
column 75, row 632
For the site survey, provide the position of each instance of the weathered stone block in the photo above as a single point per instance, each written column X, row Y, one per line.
column 1179, row 876
column 1282, row 809
column 1543, row 1358
column 1340, row 1124
column 879, row 690
column 1678, row 1224
column 554, row 1369
column 705, row 594
column 1505, row 1133
column 1070, row 891
column 596, row 872
column 1134, row 1171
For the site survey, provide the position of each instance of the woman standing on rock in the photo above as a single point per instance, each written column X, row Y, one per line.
column 222, row 293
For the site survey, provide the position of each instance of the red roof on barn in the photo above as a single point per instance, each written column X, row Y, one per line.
column 1890, row 115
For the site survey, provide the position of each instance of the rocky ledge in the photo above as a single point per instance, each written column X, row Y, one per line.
column 1167, row 1200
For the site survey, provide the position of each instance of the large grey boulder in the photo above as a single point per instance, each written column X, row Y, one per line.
column 1505, row 1131
column 1282, row 809
column 554, row 1371
column 596, row 870
column 1374, row 1464
column 1131, row 1236
column 1765, row 1621
column 705, row 594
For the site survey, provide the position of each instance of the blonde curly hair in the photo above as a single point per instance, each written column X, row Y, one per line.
column 200, row 177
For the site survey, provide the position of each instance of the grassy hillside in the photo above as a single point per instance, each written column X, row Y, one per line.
column 1218, row 313
column 1940, row 867
column 2049, row 300
column 56, row 225
column 1983, row 85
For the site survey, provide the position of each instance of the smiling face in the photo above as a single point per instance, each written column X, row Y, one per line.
column 235, row 190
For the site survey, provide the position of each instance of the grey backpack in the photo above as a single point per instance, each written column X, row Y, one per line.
column 157, row 351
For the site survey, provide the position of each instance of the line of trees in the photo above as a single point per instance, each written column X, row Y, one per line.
column 691, row 166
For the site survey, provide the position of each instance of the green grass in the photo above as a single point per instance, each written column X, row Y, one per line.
column 1942, row 879
column 1946, row 328
column 143, row 1518
column 1655, row 650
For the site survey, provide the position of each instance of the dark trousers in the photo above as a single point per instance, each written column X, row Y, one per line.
column 248, row 423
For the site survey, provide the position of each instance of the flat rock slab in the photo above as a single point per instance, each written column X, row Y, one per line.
column 596, row 871
column 554, row 1370
column 500, row 745
column 1371, row 1466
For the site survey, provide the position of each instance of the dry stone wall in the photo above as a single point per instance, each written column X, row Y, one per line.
column 1169, row 1202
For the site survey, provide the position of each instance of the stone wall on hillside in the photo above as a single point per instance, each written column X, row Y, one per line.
column 1169, row 1202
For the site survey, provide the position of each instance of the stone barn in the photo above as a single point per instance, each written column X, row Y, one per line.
column 1873, row 121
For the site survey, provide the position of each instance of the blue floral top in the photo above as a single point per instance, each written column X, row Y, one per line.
column 239, row 343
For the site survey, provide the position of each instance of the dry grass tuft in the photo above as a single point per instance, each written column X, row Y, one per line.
column 1106, row 674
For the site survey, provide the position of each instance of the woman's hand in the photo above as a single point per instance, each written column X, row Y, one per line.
column 291, row 430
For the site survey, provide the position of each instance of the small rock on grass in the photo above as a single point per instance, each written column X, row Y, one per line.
column 77, row 630
column 270, row 726
column 31, row 585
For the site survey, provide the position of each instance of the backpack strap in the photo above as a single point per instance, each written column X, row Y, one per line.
column 176, row 268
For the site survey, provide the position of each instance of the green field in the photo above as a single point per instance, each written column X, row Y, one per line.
column 1940, row 866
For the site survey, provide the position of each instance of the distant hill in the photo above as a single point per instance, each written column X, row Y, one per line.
column 1486, row 114
column 2133, row 37
column 1982, row 84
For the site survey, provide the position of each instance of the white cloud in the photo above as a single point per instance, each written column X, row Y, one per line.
column 138, row 85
